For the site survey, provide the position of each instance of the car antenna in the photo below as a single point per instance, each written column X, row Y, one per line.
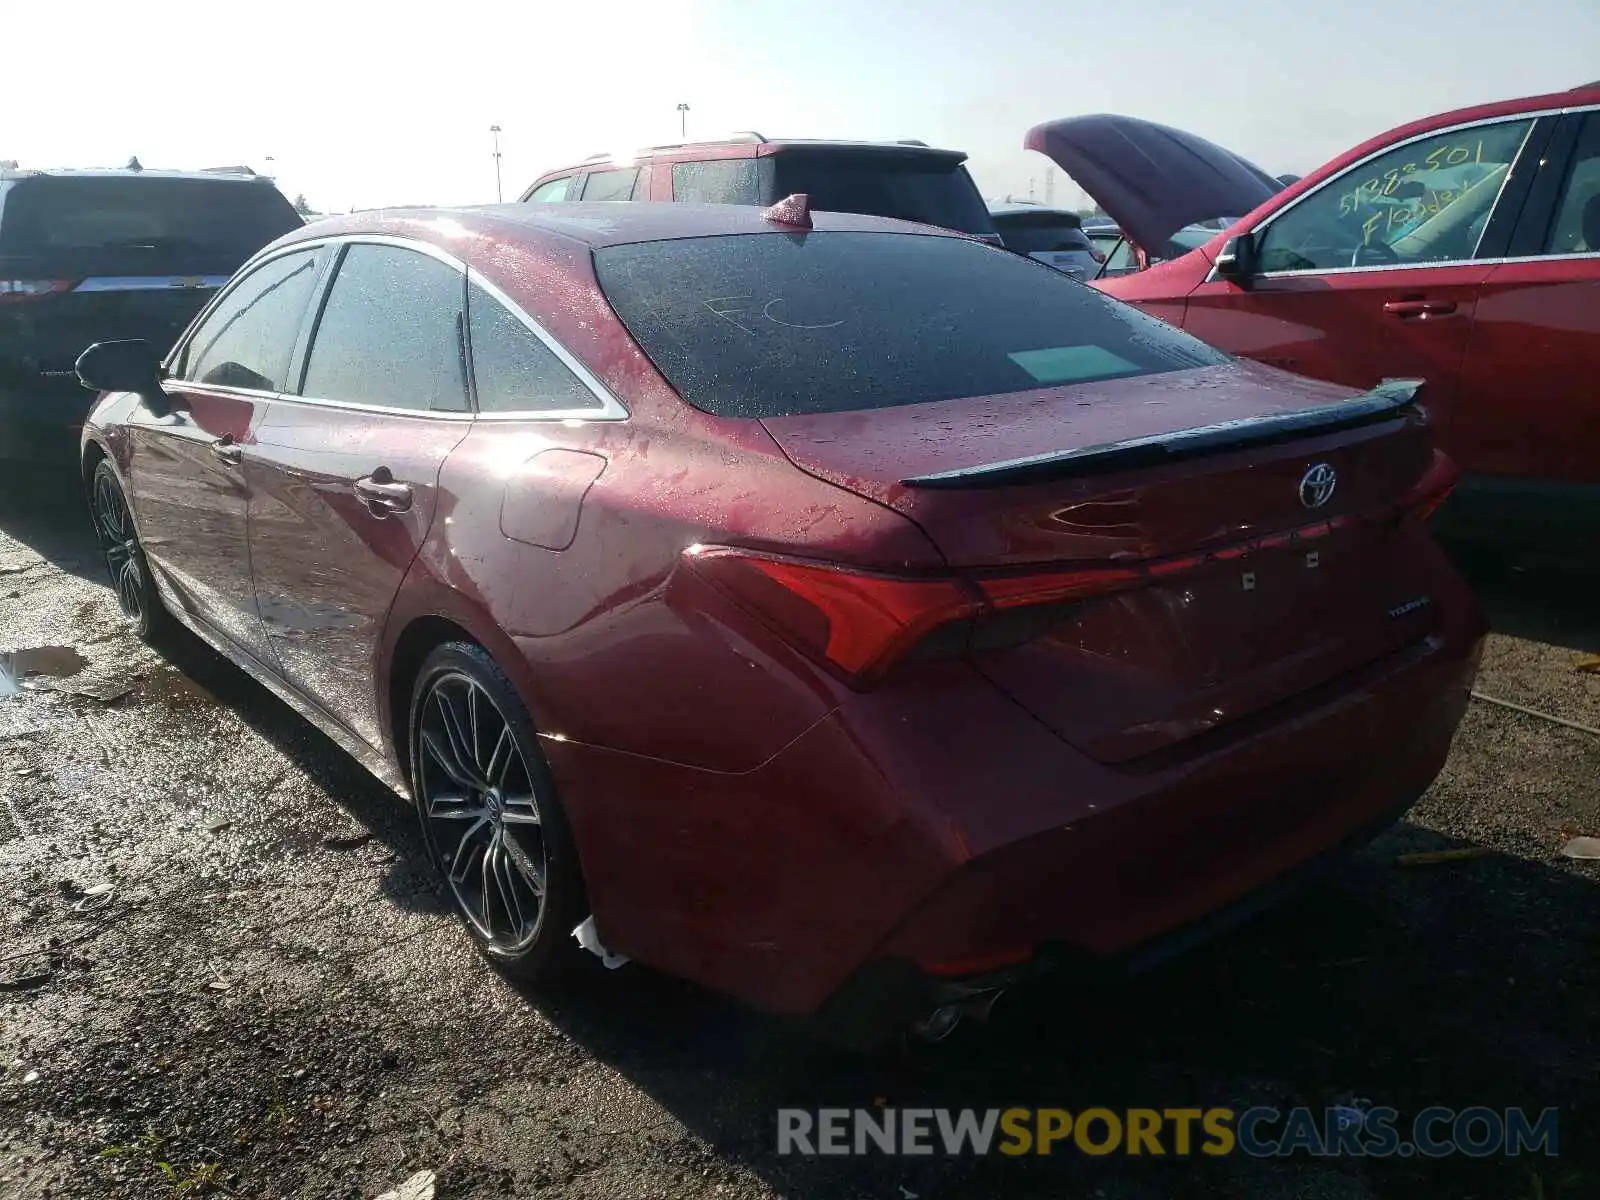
column 791, row 210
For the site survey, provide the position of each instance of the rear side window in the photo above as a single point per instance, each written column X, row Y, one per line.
column 1577, row 224
column 248, row 339
column 512, row 369
column 390, row 333
column 610, row 185
column 913, row 187
column 151, row 226
column 548, row 193
column 768, row 325
column 719, row 181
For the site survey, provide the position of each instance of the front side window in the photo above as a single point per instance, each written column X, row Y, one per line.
column 512, row 369
column 611, row 185
column 549, row 193
column 390, row 333
column 1577, row 225
column 1425, row 202
column 770, row 324
column 248, row 339
column 717, row 181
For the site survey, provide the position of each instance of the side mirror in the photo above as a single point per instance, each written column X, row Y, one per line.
column 1237, row 260
column 124, row 366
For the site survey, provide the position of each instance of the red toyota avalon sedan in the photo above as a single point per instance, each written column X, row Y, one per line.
column 1463, row 249
column 844, row 614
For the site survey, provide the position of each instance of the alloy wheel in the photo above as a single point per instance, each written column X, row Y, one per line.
column 119, row 545
column 478, row 798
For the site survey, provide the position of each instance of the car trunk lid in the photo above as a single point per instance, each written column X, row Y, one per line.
column 1223, row 549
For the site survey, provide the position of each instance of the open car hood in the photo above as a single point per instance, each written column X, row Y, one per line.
column 1151, row 179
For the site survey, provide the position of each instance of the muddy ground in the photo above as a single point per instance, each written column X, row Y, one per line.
column 271, row 999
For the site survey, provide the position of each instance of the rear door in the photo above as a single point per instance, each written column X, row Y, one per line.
column 186, row 470
column 1528, row 418
column 125, row 256
column 344, row 478
column 1375, row 273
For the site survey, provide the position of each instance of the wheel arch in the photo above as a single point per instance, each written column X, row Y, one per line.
column 428, row 613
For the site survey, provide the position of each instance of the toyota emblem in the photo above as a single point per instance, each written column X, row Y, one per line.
column 1317, row 484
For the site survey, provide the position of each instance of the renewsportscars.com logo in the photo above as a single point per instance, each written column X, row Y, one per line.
column 1261, row 1132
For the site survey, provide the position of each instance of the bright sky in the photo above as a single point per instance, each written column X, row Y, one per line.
column 361, row 104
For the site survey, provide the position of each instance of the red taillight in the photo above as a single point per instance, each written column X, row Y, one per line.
column 32, row 289
column 1054, row 587
column 1433, row 489
column 859, row 622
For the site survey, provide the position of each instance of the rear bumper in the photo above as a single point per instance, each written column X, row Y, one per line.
column 935, row 824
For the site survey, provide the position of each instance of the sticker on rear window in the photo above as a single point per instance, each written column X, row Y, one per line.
column 1068, row 364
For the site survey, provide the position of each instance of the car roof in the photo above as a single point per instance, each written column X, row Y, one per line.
column 594, row 224
column 763, row 146
column 228, row 176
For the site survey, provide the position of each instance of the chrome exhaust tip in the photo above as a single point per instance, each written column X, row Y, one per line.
column 943, row 1020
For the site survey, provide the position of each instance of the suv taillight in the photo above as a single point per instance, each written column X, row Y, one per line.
column 32, row 289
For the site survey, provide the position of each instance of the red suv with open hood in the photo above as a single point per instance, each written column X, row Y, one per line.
column 1463, row 249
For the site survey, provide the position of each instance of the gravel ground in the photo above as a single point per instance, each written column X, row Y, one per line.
column 272, row 999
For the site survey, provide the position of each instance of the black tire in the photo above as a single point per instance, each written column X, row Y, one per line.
column 124, row 558
column 515, row 832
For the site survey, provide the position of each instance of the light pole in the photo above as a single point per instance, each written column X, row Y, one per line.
column 494, row 130
column 683, row 120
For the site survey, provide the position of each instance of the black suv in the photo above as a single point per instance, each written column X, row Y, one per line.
column 88, row 256
column 909, row 180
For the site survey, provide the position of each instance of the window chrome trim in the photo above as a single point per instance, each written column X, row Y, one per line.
column 1267, row 222
column 234, row 282
column 238, row 393
column 1503, row 261
column 611, row 407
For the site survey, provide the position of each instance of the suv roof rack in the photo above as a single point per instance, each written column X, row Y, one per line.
column 912, row 142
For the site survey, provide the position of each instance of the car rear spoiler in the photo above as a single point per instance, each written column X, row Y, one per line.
column 1385, row 402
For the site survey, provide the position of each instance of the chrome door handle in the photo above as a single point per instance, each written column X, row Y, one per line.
column 382, row 494
column 1419, row 308
column 226, row 450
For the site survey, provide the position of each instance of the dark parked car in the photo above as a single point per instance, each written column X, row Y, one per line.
column 1054, row 236
column 1462, row 248
column 87, row 256
column 688, row 573
column 909, row 180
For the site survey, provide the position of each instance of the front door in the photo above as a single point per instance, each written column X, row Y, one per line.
column 344, row 480
column 1375, row 273
column 186, row 470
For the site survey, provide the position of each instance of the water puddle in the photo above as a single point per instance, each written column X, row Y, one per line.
column 54, row 661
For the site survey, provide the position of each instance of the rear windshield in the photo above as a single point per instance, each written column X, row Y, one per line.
column 1031, row 233
column 913, row 187
column 149, row 225
column 773, row 324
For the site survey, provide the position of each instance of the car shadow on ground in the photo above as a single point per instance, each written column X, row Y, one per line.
column 42, row 505
column 374, row 807
column 1459, row 984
